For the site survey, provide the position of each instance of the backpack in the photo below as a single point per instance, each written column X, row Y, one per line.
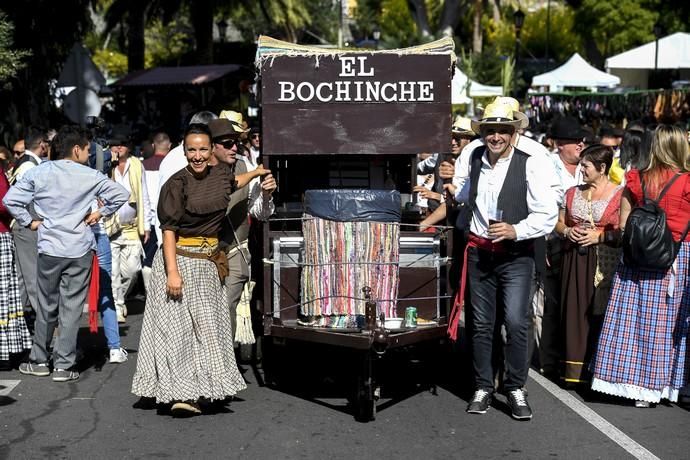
column 647, row 241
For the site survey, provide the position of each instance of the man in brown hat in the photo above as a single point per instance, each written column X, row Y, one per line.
column 509, row 203
column 256, row 200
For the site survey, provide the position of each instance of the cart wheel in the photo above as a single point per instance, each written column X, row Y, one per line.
column 365, row 403
column 366, row 410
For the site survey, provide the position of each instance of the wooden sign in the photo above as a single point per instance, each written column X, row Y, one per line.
column 359, row 103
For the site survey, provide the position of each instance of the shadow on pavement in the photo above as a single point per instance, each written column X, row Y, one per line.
column 6, row 400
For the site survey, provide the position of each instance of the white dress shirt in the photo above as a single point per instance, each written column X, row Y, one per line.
column 541, row 193
column 174, row 161
column 530, row 147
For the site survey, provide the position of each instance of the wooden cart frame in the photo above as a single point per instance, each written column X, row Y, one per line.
column 418, row 126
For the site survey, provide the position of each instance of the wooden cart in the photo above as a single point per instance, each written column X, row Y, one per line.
column 341, row 119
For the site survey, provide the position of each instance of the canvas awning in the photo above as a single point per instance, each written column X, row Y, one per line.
column 575, row 72
column 459, row 89
column 166, row 76
column 674, row 53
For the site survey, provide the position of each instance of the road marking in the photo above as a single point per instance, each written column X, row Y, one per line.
column 6, row 386
column 599, row 422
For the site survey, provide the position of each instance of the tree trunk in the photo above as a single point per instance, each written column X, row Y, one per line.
column 496, row 11
column 420, row 16
column 477, row 36
column 202, row 21
column 450, row 16
column 594, row 56
column 136, row 47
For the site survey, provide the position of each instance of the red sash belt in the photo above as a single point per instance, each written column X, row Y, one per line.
column 484, row 244
column 94, row 296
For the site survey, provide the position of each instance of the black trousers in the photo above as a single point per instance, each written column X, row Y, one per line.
column 500, row 284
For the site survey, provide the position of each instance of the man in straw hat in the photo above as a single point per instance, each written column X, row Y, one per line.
column 508, row 204
column 461, row 135
column 542, row 304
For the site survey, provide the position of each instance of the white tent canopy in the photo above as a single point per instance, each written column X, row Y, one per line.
column 459, row 89
column 575, row 72
column 674, row 53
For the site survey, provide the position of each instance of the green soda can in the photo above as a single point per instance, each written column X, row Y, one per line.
column 411, row 317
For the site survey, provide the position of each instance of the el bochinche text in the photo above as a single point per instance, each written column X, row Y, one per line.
column 357, row 90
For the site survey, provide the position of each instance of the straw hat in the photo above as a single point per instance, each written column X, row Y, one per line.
column 462, row 126
column 236, row 120
column 498, row 114
column 515, row 107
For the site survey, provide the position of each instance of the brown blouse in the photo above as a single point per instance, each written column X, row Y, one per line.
column 192, row 206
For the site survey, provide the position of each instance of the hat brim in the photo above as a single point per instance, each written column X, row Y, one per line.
column 238, row 130
column 524, row 119
column 118, row 141
column 463, row 132
column 477, row 124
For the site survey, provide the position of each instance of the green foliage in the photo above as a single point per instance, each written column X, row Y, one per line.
column 166, row 43
column 618, row 25
column 507, row 72
column 112, row 63
column 11, row 60
column 398, row 30
column 563, row 40
column 285, row 19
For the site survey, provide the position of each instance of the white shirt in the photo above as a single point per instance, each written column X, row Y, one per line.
column 541, row 193
column 251, row 159
column 566, row 179
column 427, row 165
column 128, row 213
column 259, row 207
column 174, row 161
column 531, row 148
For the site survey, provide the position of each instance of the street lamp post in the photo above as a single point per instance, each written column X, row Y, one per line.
column 376, row 33
column 518, row 20
column 222, row 29
column 657, row 33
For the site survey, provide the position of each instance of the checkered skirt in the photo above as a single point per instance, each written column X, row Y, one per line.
column 186, row 348
column 14, row 335
column 643, row 344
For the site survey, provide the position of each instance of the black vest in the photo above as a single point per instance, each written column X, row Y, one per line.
column 513, row 196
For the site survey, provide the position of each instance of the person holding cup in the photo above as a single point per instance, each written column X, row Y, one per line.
column 499, row 259
column 589, row 218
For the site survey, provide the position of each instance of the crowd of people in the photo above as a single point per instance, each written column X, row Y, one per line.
column 578, row 241
column 80, row 224
column 547, row 273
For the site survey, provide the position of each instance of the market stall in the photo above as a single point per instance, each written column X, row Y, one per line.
column 575, row 73
column 343, row 260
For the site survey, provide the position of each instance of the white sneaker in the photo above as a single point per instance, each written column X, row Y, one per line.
column 118, row 355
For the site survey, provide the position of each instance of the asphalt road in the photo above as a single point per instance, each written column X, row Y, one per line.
column 307, row 416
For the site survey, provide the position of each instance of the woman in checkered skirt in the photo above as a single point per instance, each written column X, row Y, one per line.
column 643, row 344
column 14, row 335
column 186, row 352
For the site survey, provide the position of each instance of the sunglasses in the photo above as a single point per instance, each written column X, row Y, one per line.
column 256, row 136
column 229, row 143
column 18, row 152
